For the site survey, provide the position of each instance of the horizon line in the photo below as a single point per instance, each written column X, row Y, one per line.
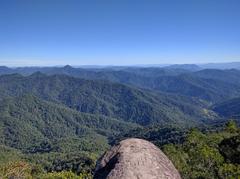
column 111, row 65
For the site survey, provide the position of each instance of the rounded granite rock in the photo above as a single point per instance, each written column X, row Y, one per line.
column 135, row 159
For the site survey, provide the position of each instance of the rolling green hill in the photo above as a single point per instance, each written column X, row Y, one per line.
column 64, row 120
column 53, row 136
column 212, row 85
column 229, row 76
column 229, row 108
column 26, row 120
column 62, row 123
column 114, row 100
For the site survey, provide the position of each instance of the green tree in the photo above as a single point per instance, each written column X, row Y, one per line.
column 229, row 171
column 231, row 126
column 65, row 175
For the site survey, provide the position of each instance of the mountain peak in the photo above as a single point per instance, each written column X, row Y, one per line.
column 38, row 74
column 67, row 67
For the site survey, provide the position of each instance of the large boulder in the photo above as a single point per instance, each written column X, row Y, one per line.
column 135, row 159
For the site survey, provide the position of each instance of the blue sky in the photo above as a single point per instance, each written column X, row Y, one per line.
column 118, row 32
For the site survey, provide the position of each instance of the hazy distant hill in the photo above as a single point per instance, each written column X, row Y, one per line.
column 231, row 65
column 190, row 67
column 210, row 84
column 6, row 70
column 228, row 76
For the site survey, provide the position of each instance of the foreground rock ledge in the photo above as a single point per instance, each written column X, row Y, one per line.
column 135, row 159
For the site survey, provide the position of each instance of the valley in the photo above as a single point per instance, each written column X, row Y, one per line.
column 62, row 119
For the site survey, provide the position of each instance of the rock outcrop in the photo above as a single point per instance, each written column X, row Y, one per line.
column 135, row 159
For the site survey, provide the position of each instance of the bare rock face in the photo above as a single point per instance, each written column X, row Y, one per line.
column 135, row 159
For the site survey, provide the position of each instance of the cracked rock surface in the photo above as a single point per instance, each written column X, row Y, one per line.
column 135, row 159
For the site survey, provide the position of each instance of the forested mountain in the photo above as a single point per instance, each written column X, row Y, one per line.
column 229, row 76
column 230, row 65
column 60, row 120
column 212, row 85
column 52, row 135
column 109, row 99
column 190, row 67
column 229, row 108
column 26, row 120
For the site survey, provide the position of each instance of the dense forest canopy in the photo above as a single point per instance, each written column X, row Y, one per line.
column 57, row 121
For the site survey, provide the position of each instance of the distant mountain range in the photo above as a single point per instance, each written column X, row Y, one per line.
column 195, row 67
column 231, row 65
column 212, row 85
column 190, row 67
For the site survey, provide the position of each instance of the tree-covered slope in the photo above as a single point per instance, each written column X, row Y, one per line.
column 26, row 120
column 64, row 123
column 53, row 136
column 207, row 155
column 188, row 84
column 106, row 98
column 209, row 84
column 229, row 76
column 229, row 108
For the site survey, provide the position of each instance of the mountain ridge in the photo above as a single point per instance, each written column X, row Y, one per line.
column 103, row 97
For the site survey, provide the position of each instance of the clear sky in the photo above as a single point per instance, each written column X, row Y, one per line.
column 118, row 32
